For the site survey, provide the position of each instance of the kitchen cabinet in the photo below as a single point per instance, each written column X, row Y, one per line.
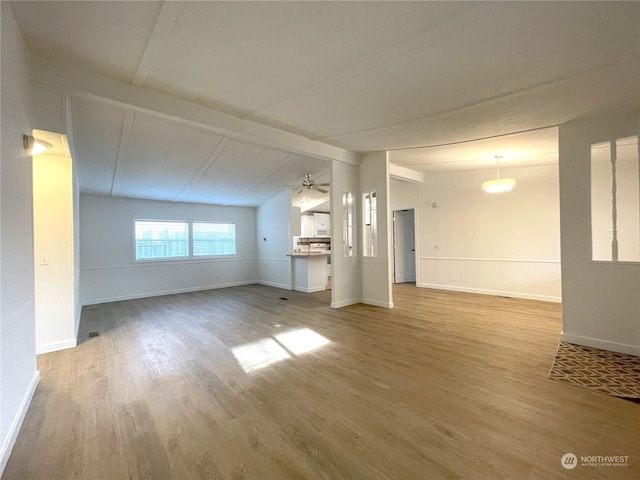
column 309, row 271
column 315, row 225
column 321, row 224
column 307, row 226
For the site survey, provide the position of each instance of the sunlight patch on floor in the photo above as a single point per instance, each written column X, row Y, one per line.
column 301, row 340
column 257, row 355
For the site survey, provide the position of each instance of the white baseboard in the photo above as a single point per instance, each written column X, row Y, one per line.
column 345, row 303
column 55, row 346
column 310, row 290
column 135, row 296
column 274, row 284
column 377, row 303
column 481, row 291
column 602, row 344
column 12, row 434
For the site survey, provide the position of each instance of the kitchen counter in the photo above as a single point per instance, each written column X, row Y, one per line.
column 309, row 271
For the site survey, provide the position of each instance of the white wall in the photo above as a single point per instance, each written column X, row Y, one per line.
column 77, row 301
column 18, row 375
column 600, row 300
column 502, row 244
column 377, row 271
column 404, row 195
column 52, row 115
column 53, row 217
column 108, row 269
column 274, row 241
column 346, row 272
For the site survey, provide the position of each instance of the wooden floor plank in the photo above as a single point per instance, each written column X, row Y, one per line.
column 217, row 384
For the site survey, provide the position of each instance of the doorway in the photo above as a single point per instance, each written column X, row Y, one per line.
column 404, row 246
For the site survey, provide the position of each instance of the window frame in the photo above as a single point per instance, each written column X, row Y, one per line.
column 222, row 255
column 612, row 143
column 160, row 259
column 370, row 244
column 190, row 257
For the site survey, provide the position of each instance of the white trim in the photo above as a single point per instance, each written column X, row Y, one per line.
column 179, row 261
column 377, row 303
column 602, row 344
column 500, row 293
column 345, row 303
column 135, row 296
column 406, row 174
column 310, row 290
column 168, row 16
column 16, row 424
column 55, row 346
column 99, row 88
column 504, row 260
column 273, row 284
column 611, row 262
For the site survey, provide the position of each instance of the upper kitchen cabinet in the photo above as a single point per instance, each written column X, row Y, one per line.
column 315, row 225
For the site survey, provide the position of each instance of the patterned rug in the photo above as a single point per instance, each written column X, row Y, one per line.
column 603, row 371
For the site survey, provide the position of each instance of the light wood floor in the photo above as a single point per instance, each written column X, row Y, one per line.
column 446, row 385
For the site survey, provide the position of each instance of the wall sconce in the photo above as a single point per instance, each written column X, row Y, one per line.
column 34, row 145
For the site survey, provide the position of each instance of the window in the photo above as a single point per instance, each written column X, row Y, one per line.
column 211, row 238
column 347, row 224
column 370, row 233
column 615, row 201
column 157, row 240
column 174, row 240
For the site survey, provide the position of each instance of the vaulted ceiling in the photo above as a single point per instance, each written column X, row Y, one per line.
column 438, row 83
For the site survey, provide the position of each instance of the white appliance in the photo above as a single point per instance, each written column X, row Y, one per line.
column 321, row 231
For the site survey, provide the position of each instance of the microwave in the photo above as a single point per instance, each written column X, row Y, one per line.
column 322, row 231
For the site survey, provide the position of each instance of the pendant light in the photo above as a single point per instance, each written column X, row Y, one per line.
column 499, row 184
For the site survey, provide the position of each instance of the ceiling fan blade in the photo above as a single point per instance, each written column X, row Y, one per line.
column 322, row 190
column 323, row 184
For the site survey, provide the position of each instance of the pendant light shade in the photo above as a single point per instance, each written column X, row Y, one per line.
column 499, row 184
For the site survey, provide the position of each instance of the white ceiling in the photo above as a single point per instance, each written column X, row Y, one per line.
column 362, row 76
column 537, row 147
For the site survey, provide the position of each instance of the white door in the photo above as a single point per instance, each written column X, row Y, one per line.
column 404, row 247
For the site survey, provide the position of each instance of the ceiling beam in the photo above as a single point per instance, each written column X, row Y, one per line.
column 167, row 18
column 401, row 173
column 125, row 136
column 96, row 87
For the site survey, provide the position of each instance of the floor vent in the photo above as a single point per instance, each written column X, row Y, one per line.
column 93, row 334
column 283, row 298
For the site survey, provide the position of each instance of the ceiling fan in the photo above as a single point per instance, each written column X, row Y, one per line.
column 309, row 184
